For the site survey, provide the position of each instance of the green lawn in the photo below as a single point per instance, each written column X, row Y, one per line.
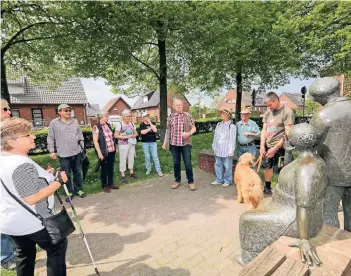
column 92, row 184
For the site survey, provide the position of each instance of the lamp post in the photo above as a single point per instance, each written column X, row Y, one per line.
column 303, row 92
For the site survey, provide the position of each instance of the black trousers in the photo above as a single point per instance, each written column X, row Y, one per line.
column 107, row 168
column 74, row 164
column 26, row 253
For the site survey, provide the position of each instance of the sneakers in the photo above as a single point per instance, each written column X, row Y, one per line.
column 267, row 191
column 124, row 180
column 81, row 194
column 148, row 173
column 107, row 190
column 160, row 174
column 216, row 183
column 133, row 175
column 69, row 195
column 10, row 265
column 192, row 187
column 226, row 185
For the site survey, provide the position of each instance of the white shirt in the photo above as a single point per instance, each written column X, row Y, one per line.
column 224, row 139
column 15, row 219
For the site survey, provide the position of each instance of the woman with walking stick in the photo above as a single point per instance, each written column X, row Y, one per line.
column 23, row 182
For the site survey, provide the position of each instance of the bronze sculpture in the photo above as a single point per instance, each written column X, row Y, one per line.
column 333, row 124
column 296, row 208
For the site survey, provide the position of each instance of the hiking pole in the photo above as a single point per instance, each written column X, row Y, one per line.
column 80, row 227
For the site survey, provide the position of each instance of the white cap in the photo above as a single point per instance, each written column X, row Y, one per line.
column 144, row 114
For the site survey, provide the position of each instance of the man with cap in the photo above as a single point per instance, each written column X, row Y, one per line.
column 248, row 131
column 223, row 147
column 66, row 138
column 148, row 131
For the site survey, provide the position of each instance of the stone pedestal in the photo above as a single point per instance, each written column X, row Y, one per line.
column 333, row 247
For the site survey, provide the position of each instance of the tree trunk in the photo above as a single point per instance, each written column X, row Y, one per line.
column 163, row 87
column 239, row 90
column 4, row 88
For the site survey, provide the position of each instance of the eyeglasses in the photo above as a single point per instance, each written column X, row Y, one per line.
column 67, row 110
column 6, row 109
column 27, row 135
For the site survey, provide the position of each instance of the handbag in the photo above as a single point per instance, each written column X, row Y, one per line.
column 58, row 226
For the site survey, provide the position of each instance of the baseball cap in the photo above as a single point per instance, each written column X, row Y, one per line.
column 62, row 106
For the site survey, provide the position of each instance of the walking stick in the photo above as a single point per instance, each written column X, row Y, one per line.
column 82, row 235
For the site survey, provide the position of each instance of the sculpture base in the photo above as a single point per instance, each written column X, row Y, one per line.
column 333, row 247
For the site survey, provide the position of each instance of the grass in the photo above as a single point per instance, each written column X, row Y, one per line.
column 92, row 183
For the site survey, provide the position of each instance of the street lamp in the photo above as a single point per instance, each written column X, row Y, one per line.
column 303, row 92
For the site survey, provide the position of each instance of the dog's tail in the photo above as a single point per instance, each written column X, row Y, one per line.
column 256, row 195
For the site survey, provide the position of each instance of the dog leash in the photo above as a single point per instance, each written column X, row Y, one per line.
column 259, row 162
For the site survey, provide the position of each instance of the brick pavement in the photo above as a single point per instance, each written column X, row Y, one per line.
column 149, row 229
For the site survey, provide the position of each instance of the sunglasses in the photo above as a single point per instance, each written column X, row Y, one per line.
column 67, row 110
column 6, row 109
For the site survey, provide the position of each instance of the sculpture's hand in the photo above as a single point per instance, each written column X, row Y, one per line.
column 307, row 252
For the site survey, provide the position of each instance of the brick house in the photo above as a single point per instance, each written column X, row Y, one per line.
column 115, row 106
column 229, row 101
column 151, row 104
column 92, row 111
column 38, row 102
column 292, row 100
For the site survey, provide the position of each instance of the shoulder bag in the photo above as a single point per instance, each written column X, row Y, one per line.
column 58, row 226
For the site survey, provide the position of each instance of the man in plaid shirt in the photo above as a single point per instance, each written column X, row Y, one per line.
column 180, row 127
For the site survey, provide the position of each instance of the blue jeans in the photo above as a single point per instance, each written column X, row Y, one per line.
column 177, row 151
column 227, row 176
column 244, row 149
column 150, row 149
column 6, row 249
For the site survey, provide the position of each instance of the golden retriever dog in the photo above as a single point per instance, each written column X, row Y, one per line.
column 248, row 182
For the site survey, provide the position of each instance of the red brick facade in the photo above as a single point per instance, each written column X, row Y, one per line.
column 48, row 112
column 207, row 161
column 117, row 107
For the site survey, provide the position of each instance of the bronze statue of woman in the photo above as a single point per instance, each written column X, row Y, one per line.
column 296, row 208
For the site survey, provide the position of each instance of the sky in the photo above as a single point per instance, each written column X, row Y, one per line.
column 99, row 93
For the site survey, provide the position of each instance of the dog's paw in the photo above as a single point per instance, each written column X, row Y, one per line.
column 240, row 200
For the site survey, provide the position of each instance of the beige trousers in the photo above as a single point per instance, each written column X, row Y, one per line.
column 126, row 154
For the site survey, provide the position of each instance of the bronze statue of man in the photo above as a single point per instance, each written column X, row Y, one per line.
column 296, row 208
column 333, row 124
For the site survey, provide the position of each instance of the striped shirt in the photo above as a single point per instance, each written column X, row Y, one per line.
column 224, row 139
column 64, row 137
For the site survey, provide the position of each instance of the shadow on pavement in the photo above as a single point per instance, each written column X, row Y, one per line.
column 102, row 246
column 135, row 268
column 154, row 200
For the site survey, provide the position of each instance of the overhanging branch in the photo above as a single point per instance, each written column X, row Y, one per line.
column 37, row 38
column 146, row 65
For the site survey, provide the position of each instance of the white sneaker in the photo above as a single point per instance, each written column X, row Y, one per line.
column 148, row 172
column 160, row 174
column 216, row 183
column 225, row 185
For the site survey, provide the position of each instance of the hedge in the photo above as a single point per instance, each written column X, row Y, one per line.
column 202, row 126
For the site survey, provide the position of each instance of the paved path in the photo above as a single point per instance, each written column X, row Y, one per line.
column 150, row 229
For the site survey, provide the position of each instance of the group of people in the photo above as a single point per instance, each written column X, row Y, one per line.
column 277, row 121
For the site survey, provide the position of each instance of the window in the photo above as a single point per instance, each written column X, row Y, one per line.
column 73, row 115
column 15, row 113
column 37, row 117
column 145, row 99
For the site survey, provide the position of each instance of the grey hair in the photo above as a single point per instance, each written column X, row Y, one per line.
column 270, row 97
column 177, row 99
column 4, row 102
column 101, row 114
column 126, row 112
